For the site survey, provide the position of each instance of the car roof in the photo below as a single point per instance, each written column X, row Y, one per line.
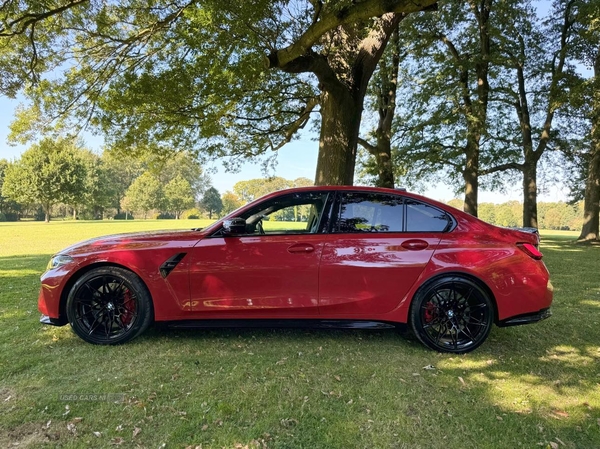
column 399, row 191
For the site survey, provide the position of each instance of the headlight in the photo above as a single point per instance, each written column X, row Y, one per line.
column 59, row 260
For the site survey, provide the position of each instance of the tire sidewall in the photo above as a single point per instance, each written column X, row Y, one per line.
column 424, row 293
column 143, row 305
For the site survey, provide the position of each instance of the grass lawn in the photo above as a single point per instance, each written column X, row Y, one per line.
column 530, row 386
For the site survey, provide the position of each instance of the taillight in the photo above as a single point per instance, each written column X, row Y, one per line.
column 530, row 250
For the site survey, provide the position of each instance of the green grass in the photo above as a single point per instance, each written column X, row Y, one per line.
column 530, row 386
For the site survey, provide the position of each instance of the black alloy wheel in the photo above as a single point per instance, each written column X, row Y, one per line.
column 452, row 314
column 109, row 306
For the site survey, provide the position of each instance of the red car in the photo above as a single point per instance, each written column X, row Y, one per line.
column 349, row 257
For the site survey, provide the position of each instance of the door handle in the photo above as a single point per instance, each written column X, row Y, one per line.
column 415, row 245
column 301, row 248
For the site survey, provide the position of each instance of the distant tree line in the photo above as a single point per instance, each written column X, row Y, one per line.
column 59, row 177
column 552, row 215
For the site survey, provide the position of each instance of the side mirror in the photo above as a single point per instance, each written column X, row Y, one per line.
column 234, row 226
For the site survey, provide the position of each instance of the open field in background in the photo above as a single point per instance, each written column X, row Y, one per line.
column 530, row 386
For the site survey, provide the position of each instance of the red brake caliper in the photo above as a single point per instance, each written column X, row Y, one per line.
column 429, row 312
column 129, row 306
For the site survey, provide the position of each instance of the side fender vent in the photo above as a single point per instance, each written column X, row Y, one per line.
column 169, row 264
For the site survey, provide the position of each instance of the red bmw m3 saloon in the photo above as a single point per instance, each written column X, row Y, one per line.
column 345, row 257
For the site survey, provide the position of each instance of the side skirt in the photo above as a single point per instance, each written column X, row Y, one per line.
column 279, row 324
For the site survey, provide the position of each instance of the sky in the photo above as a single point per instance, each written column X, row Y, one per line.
column 296, row 159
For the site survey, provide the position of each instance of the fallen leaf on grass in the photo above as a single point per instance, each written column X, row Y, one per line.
column 205, row 427
column 117, row 441
column 462, row 381
column 559, row 414
column 553, row 445
column 136, row 431
column 71, row 427
column 338, row 378
column 98, row 434
column 560, row 441
column 499, row 418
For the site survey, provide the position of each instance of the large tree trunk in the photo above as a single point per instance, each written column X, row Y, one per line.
column 340, row 123
column 385, row 166
column 46, row 208
column 591, row 205
column 530, row 194
column 471, row 178
column 343, row 79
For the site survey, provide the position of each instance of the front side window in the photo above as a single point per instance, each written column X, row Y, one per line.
column 296, row 213
column 370, row 212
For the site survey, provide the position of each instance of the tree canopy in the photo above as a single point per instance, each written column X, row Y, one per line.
column 48, row 173
column 234, row 78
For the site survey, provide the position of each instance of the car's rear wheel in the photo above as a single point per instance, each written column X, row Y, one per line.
column 109, row 306
column 452, row 314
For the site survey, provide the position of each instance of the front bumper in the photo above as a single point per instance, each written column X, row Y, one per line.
column 526, row 318
column 45, row 319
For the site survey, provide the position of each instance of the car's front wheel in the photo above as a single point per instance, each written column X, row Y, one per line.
column 109, row 306
column 452, row 314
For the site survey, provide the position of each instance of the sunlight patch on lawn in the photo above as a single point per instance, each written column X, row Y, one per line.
column 18, row 273
column 572, row 356
column 527, row 393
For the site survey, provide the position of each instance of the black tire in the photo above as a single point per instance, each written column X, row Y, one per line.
column 452, row 314
column 109, row 306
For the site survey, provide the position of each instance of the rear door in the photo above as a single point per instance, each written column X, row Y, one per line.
column 378, row 247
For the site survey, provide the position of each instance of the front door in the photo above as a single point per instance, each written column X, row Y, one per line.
column 269, row 271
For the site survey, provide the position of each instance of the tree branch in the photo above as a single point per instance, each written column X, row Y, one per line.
column 29, row 19
column 332, row 19
column 367, row 146
column 501, row 167
column 299, row 123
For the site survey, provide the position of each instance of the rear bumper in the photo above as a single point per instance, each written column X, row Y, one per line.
column 526, row 318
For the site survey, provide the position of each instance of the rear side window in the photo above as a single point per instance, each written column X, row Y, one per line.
column 421, row 217
column 370, row 212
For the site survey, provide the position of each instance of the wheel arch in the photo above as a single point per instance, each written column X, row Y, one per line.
column 62, row 310
column 460, row 274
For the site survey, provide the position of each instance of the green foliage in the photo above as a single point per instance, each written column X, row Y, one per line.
column 230, row 202
column 211, row 202
column 182, row 75
column 252, row 189
column 49, row 172
column 178, row 195
column 168, row 165
column 144, row 194
column 552, row 216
